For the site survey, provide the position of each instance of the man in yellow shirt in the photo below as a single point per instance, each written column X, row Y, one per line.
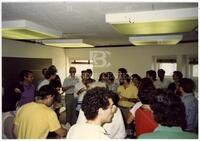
column 128, row 95
column 35, row 120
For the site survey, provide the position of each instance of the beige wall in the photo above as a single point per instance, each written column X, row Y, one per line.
column 21, row 49
column 135, row 59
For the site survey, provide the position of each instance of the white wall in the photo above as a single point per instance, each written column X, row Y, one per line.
column 135, row 59
column 12, row 48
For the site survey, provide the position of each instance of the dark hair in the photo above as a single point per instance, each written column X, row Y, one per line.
column 136, row 76
column 89, row 71
column 52, row 68
column 161, row 71
column 103, row 74
column 83, row 71
column 49, row 73
column 126, row 77
column 114, row 97
column 152, row 74
column 146, row 90
column 93, row 100
column 44, row 91
column 44, row 70
column 110, row 76
column 187, row 85
column 168, row 109
column 122, row 70
column 23, row 74
column 179, row 74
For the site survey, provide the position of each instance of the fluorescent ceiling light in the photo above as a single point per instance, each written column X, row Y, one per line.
column 155, row 22
column 70, row 43
column 26, row 30
column 167, row 27
column 152, row 16
column 156, row 40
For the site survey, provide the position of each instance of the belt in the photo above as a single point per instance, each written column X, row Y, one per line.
column 69, row 94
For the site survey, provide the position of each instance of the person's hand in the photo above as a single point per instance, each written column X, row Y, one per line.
column 17, row 90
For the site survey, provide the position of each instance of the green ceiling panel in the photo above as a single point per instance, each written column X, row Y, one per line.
column 164, row 27
column 25, row 34
column 155, row 43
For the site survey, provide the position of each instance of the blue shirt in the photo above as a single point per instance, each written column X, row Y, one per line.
column 191, row 110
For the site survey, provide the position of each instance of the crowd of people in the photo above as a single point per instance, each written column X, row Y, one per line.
column 108, row 108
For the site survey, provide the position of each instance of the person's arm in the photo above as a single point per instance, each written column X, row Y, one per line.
column 80, row 91
column 14, row 131
column 130, row 118
column 67, row 87
column 62, row 132
column 8, row 128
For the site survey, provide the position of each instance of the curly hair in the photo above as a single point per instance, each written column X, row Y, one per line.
column 168, row 109
column 44, row 91
column 146, row 90
column 93, row 100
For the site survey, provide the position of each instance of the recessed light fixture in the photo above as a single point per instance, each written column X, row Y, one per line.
column 156, row 40
column 27, row 30
column 67, row 43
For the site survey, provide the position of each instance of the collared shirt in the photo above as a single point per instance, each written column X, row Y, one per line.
column 87, row 131
column 130, row 92
column 27, row 95
column 164, row 132
column 191, row 110
column 70, row 81
column 161, row 84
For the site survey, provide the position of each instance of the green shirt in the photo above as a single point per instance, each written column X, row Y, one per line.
column 164, row 132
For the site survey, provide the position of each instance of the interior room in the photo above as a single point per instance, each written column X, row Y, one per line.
column 101, row 36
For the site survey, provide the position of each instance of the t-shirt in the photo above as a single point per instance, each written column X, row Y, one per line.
column 44, row 82
column 87, row 131
column 164, row 132
column 28, row 94
column 35, row 121
column 115, row 129
column 144, row 121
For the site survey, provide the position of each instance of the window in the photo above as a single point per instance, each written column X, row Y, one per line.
column 168, row 67
column 193, row 64
column 195, row 70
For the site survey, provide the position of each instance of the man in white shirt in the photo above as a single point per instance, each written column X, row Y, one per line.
column 162, row 83
column 70, row 100
column 98, row 109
